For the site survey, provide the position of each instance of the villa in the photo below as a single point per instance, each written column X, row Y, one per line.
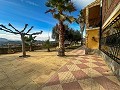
column 93, row 66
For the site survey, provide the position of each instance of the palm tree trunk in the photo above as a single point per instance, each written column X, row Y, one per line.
column 23, row 45
column 82, row 38
column 61, row 51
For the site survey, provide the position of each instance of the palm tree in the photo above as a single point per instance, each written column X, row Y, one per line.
column 81, row 22
column 59, row 10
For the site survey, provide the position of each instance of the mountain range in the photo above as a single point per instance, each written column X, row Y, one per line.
column 3, row 40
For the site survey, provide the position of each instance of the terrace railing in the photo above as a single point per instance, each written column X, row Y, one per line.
column 110, row 40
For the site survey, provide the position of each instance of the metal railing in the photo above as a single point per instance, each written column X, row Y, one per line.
column 110, row 40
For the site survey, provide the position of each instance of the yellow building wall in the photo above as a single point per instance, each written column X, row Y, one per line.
column 92, row 38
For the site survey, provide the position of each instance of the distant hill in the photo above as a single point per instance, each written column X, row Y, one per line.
column 3, row 40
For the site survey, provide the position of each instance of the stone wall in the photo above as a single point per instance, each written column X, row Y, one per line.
column 114, row 66
column 89, row 51
column 12, row 50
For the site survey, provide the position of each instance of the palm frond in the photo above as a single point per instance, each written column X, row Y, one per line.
column 70, row 7
column 70, row 19
column 51, row 11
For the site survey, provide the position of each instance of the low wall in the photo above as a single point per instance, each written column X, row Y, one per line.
column 90, row 51
column 6, row 50
column 113, row 65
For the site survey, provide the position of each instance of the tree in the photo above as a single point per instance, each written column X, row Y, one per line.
column 77, row 36
column 55, row 33
column 47, row 45
column 22, row 33
column 71, row 35
column 58, row 9
column 81, row 22
column 30, row 40
column 74, row 36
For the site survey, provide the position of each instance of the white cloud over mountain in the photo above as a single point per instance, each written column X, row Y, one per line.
column 43, row 36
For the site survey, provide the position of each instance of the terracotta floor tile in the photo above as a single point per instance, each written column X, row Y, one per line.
column 71, row 86
column 54, row 80
column 66, row 77
column 73, row 67
column 2, row 75
column 97, row 59
column 7, row 88
column 107, row 83
column 30, row 86
column 103, row 71
column 82, row 66
column 85, row 84
column 53, row 87
column 85, row 57
column 87, row 71
column 84, row 61
column 89, row 84
column 70, row 63
column 106, row 67
column 80, row 74
column 114, row 79
column 91, row 65
column 99, row 64
column 95, row 73
column 63, row 69
column 76, row 62
column 99, row 69
column 22, row 82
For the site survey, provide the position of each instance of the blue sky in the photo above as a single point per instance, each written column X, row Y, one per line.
column 32, row 12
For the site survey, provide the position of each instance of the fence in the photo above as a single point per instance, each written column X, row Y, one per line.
column 110, row 40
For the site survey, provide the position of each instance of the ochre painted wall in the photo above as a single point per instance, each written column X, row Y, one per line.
column 92, row 38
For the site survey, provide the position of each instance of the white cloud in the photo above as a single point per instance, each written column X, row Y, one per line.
column 10, row 36
column 30, row 2
column 82, row 3
column 43, row 36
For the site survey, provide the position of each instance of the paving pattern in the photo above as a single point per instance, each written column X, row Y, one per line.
column 83, row 72
column 80, row 72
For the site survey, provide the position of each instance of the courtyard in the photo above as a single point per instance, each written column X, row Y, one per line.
column 46, row 71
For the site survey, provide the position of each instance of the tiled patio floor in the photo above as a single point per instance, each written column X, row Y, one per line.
column 83, row 72
column 80, row 72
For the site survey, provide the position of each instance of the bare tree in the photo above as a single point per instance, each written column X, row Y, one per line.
column 22, row 33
